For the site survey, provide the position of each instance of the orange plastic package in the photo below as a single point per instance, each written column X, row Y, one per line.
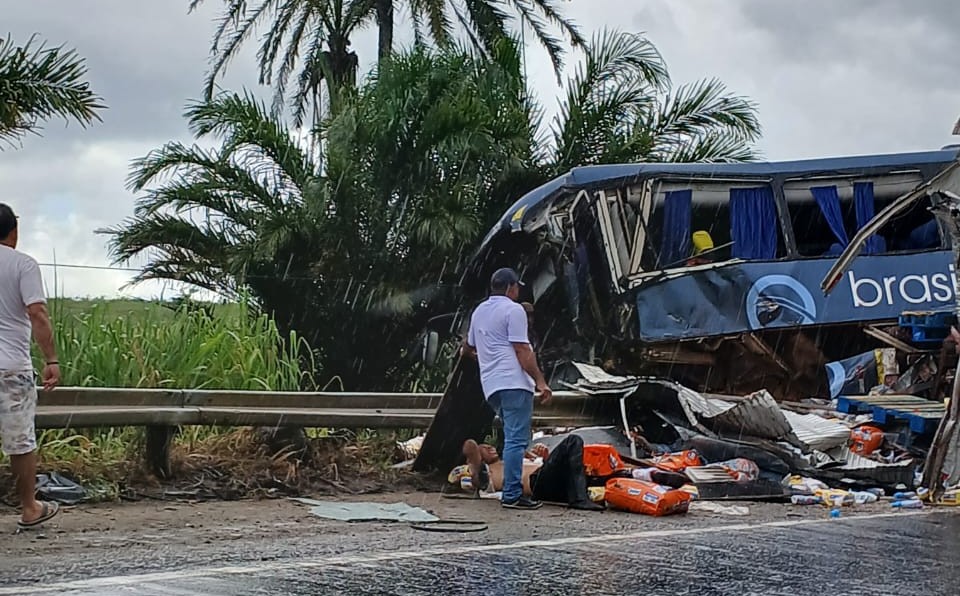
column 600, row 461
column 638, row 496
column 866, row 439
column 678, row 462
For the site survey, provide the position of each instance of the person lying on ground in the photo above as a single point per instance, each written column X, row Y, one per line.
column 555, row 476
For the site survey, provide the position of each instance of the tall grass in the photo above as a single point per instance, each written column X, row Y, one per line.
column 144, row 345
column 189, row 348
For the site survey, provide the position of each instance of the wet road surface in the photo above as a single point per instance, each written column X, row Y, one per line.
column 876, row 554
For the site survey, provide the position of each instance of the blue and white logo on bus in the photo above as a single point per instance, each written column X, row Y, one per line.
column 779, row 300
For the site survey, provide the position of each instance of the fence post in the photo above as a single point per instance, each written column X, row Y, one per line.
column 157, row 452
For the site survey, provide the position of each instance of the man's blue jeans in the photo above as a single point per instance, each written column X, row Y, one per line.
column 515, row 407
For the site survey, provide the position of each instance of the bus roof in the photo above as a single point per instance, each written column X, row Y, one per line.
column 597, row 176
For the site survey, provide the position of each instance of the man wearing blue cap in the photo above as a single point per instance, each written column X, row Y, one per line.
column 509, row 374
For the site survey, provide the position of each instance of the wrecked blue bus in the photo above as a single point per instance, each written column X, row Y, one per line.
column 709, row 274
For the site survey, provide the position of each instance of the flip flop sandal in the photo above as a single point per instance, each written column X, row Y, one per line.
column 48, row 511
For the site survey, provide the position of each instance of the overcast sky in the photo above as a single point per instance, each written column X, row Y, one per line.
column 830, row 78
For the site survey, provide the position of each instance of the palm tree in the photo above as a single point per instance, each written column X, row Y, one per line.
column 316, row 34
column 347, row 259
column 38, row 83
column 621, row 106
column 488, row 21
column 419, row 162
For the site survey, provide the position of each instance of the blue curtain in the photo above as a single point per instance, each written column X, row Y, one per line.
column 864, row 203
column 677, row 212
column 829, row 201
column 753, row 223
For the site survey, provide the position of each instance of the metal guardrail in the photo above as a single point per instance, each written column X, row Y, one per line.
column 73, row 407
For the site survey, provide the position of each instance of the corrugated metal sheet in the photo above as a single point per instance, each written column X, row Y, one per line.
column 857, row 462
column 758, row 415
column 815, row 432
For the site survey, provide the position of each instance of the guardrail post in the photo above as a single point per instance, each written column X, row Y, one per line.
column 157, row 449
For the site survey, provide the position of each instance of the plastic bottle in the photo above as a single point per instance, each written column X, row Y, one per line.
column 908, row 504
column 834, row 513
column 805, row 500
column 864, row 497
column 904, row 496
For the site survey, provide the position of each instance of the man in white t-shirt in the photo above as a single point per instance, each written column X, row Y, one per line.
column 23, row 311
column 509, row 374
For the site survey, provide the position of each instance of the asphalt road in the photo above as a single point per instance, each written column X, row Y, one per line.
column 556, row 552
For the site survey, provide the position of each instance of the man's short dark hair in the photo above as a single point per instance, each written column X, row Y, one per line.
column 8, row 221
column 503, row 279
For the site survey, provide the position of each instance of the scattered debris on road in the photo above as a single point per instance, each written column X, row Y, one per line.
column 683, row 301
column 359, row 511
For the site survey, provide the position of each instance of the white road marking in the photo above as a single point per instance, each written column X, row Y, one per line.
column 121, row 581
column 159, row 590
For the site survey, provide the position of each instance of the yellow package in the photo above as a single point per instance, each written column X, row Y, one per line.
column 597, row 493
column 835, row 497
column 693, row 490
column 951, row 497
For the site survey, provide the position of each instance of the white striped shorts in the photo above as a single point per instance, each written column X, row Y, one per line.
column 18, row 407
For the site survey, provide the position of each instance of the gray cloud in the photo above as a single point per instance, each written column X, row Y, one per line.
column 147, row 59
column 889, row 39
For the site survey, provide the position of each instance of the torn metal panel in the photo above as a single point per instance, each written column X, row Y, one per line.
column 890, row 340
column 817, row 433
column 864, row 469
column 756, row 416
column 715, row 484
column 705, row 474
column 594, row 377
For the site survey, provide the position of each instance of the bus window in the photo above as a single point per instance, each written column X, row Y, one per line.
column 915, row 230
column 817, row 233
column 709, row 211
column 814, row 234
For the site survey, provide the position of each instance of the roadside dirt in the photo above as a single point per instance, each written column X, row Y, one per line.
column 173, row 523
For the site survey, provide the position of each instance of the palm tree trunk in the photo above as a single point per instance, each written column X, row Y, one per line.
column 385, row 22
column 343, row 65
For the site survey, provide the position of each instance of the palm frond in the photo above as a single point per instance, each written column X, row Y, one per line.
column 552, row 12
column 39, row 83
column 712, row 146
column 621, row 75
column 704, row 112
column 436, row 14
column 484, row 21
column 707, row 104
column 292, row 11
column 234, row 29
column 241, row 120
column 315, row 70
column 540, row 26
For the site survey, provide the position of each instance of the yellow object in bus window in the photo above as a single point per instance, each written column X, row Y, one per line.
column 702, row 242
